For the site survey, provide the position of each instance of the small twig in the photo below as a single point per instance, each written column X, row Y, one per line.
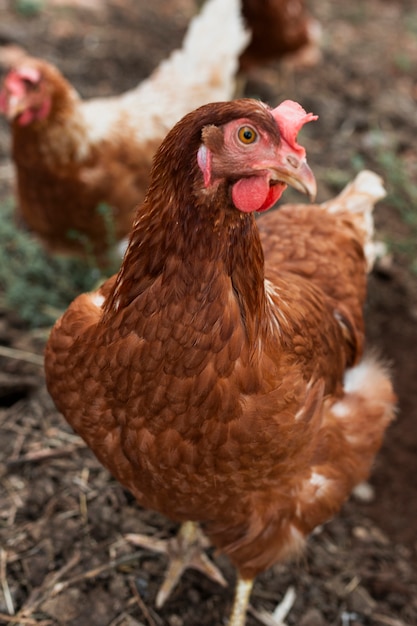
column 18, row 445
column 40, row 594
column 280, row 613
column 123, row 618
column 16, row 619
column 4, row 584
column 83, row 496
column 45, row 454
column 352, row 585
column 141, row 603
column 37, row 598
column 285, row 606
column 22, row 355
column 57, row 435
column 96, row 571
column 385, row 619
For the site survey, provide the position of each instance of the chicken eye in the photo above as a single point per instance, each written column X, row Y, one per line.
column 247, row 134
column 30, row 85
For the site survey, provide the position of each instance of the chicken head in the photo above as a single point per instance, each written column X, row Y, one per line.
column 262, row 160
column 25, row 95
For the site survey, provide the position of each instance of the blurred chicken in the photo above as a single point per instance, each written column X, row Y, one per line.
column 279, row 28
column 83, row 166
column 220, row 375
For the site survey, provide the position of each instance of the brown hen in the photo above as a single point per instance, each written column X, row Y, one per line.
column 220, row 375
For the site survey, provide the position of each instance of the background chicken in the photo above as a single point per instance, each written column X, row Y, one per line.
column 220, row 375
column 279, row 28
column 83, row 166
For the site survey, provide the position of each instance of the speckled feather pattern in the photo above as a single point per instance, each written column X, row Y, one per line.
column 209, row 378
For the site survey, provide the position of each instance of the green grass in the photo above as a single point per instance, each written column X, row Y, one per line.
column 29, row 8
column 410, row 21
column 401, row 185
column 35, row 284
column 404, row 62
column 402, row 195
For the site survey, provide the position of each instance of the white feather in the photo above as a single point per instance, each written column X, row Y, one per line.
column 203, row 70
column 359, row 198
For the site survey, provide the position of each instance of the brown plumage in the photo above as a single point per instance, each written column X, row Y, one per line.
column 220, row 376
column 278, row 28
column 82, row 166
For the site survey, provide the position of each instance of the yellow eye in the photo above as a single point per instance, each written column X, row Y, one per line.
column 247, row 134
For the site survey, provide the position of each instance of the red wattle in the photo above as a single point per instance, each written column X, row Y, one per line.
column 255, row 194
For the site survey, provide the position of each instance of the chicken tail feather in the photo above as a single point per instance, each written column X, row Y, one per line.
column 367, row 407
column 358, row 199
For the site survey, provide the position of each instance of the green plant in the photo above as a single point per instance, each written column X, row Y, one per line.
column 402, row 195
column 29, row 7
column 404, row 62
column 36, row 285
column 111, row 258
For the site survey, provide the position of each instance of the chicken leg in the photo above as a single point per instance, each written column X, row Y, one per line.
column 240, row 602
column 184, row 551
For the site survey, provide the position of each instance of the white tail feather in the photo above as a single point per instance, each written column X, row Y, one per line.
column 360, row 195
column 203, row 70
column 359, row 198
column 370, row 381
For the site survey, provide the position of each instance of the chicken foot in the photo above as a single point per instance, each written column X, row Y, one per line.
column 184, row 551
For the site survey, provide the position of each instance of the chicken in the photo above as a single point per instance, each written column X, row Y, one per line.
column 83, row 166
column 221, row 376
column 279, row 28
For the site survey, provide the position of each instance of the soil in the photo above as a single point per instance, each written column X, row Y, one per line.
column 64, row 559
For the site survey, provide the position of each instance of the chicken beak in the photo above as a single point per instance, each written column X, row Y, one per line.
column 295, row 171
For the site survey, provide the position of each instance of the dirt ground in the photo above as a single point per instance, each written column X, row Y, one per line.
column 63, row 556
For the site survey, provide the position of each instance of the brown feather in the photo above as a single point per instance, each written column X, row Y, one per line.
column 278, row 28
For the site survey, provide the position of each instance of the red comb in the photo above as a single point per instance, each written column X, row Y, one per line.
column 13, row 81
column 28, row 73
column 291, row 117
